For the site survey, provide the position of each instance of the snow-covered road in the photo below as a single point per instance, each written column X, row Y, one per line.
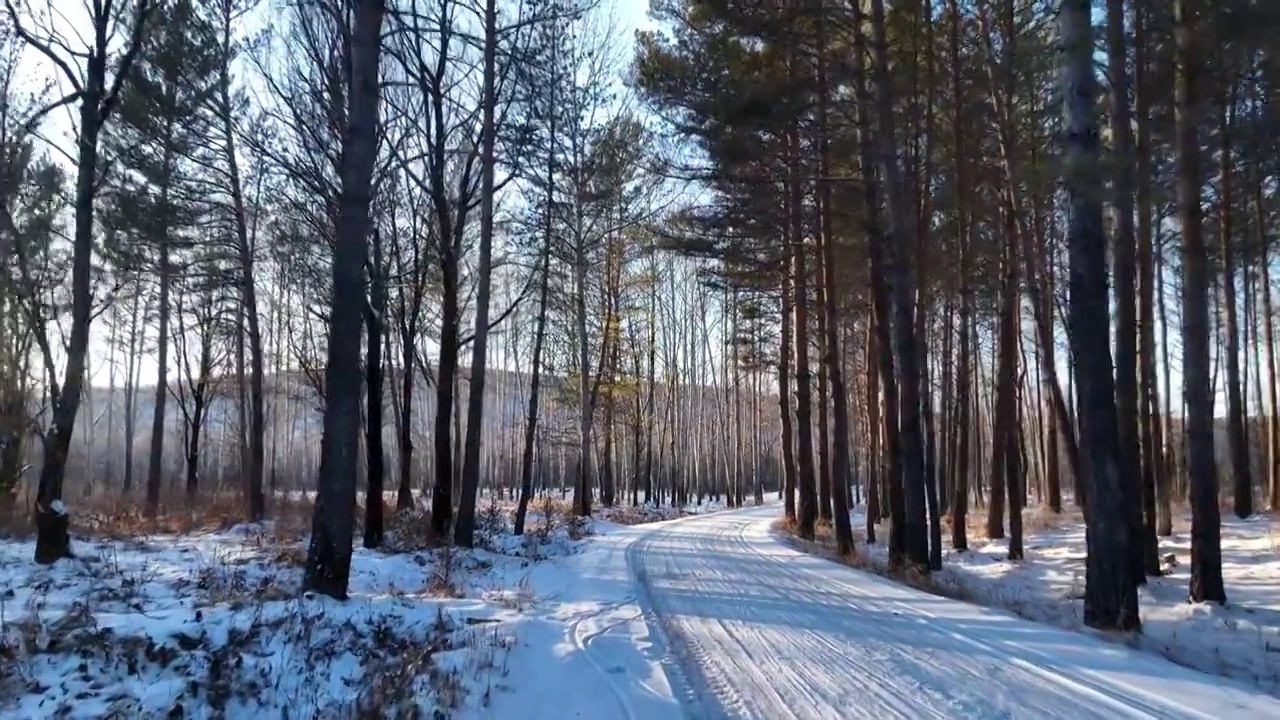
column 755, row 629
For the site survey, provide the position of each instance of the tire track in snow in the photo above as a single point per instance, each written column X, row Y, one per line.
column 682, row 659
column 896, row 698
column 582, row 642
column 760, row 630
column 897, row 693
column 781, row 689
column 1134, row 701
column 1129, row 705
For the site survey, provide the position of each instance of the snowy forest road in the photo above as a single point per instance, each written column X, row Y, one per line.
column 761, row 630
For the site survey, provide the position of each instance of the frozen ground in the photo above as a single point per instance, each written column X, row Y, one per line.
column 1240, row 640
column 706, row 616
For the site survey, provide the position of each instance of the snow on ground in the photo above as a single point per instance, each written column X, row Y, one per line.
column 213, row 625
column 1240, row 640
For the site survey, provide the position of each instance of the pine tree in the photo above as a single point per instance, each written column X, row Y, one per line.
column 155, row 195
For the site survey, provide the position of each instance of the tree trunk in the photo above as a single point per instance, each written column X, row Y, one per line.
column 193, row 445
column 1168, row 451
column 960, row 502
column 248, row 292
column 539, row 338
column 1237, row 438
column 1155, row 484
column 1004, row 466
column 446, row 376
column 464, row 533
column 911, row 447
column 805, row 479
column 824, row 393
column 373, row 525
column 328, row 566
column 879, row 240
column 584, row 485
column 784, row 402
column 1268, row 338
column 1142, row 553
column 961, row 432
column 1206, row 548
column 838, row 480
column 404, row 496
column 52, row 519
column 875, row 458
column 155, row 468
column 1110, row 601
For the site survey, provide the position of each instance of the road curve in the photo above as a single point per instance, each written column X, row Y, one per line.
column 760, row 630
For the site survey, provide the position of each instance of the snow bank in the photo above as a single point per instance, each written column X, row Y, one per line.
column 213, row 625
column 1240, row 640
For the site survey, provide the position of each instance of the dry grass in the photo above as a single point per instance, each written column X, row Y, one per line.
column 640, row 514
column 409, row 530
column 1034, row 520
column 126, row 518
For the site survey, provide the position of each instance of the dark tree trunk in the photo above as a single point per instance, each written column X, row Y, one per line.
column 960, row 503
column 464, row 533
column 535, row 387
column 875, row 459
column 784, row 402
column 902, row 293
column 1237, row 437
column 131, row 391
column 447, row 370
column 328, row 566
column 1206, row 547
column 607, row 489
column 1110, row 601
column 373, row 525
column 1016, row 472
column 1142, row 554
column 879, row 246
column 1155, row 487
column 249, row 308
column 806, row 484
column 959, row 500
column 1004, row 432
column 193, row 446
column 52, row 520
column 404, row 496
column 838, row 479
column 824, row 393
column 155, row 467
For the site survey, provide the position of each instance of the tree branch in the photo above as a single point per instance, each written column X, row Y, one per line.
column 42, row 47
column 126, row 62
